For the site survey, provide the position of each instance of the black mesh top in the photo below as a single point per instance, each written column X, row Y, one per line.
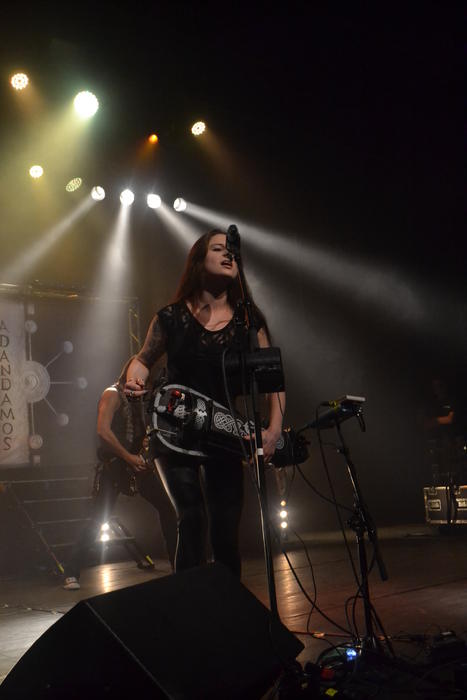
column 194, row 354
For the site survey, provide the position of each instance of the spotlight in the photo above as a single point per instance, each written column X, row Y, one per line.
column 86, row 104
column 154, row 201
column 74, row 184
column 36, row 171
column 127, row 197
column 105, row 537
column 98, row 193
column 153, row 138
column 19, row 81
column 105, row 527
column 179, row 204
column 198, row 128
column 283, row 514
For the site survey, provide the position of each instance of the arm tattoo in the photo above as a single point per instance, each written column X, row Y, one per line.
column 154, row 345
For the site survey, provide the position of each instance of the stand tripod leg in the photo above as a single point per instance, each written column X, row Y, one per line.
column 369, row 641
column 142, row 560
column 266, row 528
column 263, row 501
column 362, row 523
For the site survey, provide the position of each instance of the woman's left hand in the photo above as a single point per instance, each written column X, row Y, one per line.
column 269, row 437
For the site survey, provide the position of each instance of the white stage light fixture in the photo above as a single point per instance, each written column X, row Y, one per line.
column 98, row 193
column 154, row 201
column 19, row 81
column 127, row 197
column 74, row 184
column 86, row 104
column 198, row 128
column 179, row 204
column 36, row 171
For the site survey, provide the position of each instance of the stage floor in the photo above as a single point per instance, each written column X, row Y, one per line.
column 426, row 592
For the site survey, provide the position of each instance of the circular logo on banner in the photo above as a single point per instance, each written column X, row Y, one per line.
column 35, row 381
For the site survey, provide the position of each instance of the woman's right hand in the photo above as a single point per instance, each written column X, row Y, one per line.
column 138, row 372
column 135, row 387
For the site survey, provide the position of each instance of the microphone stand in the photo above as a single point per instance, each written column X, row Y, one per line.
column 264, row 366
column 361, row 523
column 261, row 481
column 249, row 363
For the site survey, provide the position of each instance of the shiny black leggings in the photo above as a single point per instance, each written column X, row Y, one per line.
column 208, row 496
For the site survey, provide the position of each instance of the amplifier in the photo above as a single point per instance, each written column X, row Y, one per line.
column 445, row 505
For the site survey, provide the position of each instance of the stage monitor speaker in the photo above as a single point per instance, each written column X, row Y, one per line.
column 199, row 634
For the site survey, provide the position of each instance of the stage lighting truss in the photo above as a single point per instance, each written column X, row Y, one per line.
column 74, row 184
column 98, row 193
column 198, row 128
column 86, row 104
column 154, row 201
column 179, row 204
column 127, row 198
column 19, row 81
column 36, row 171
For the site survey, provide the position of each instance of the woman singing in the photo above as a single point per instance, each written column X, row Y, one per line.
column 194, row 331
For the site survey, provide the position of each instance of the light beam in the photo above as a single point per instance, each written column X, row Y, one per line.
column 27, row 260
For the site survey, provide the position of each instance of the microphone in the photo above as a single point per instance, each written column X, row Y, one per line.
column 233, row 241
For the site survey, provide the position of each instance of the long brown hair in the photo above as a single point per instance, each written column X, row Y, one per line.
column 192, row 280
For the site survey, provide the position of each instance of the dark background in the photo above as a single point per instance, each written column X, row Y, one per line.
column 341, row 133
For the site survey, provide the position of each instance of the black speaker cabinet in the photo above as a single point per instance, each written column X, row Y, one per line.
column 197, row 634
